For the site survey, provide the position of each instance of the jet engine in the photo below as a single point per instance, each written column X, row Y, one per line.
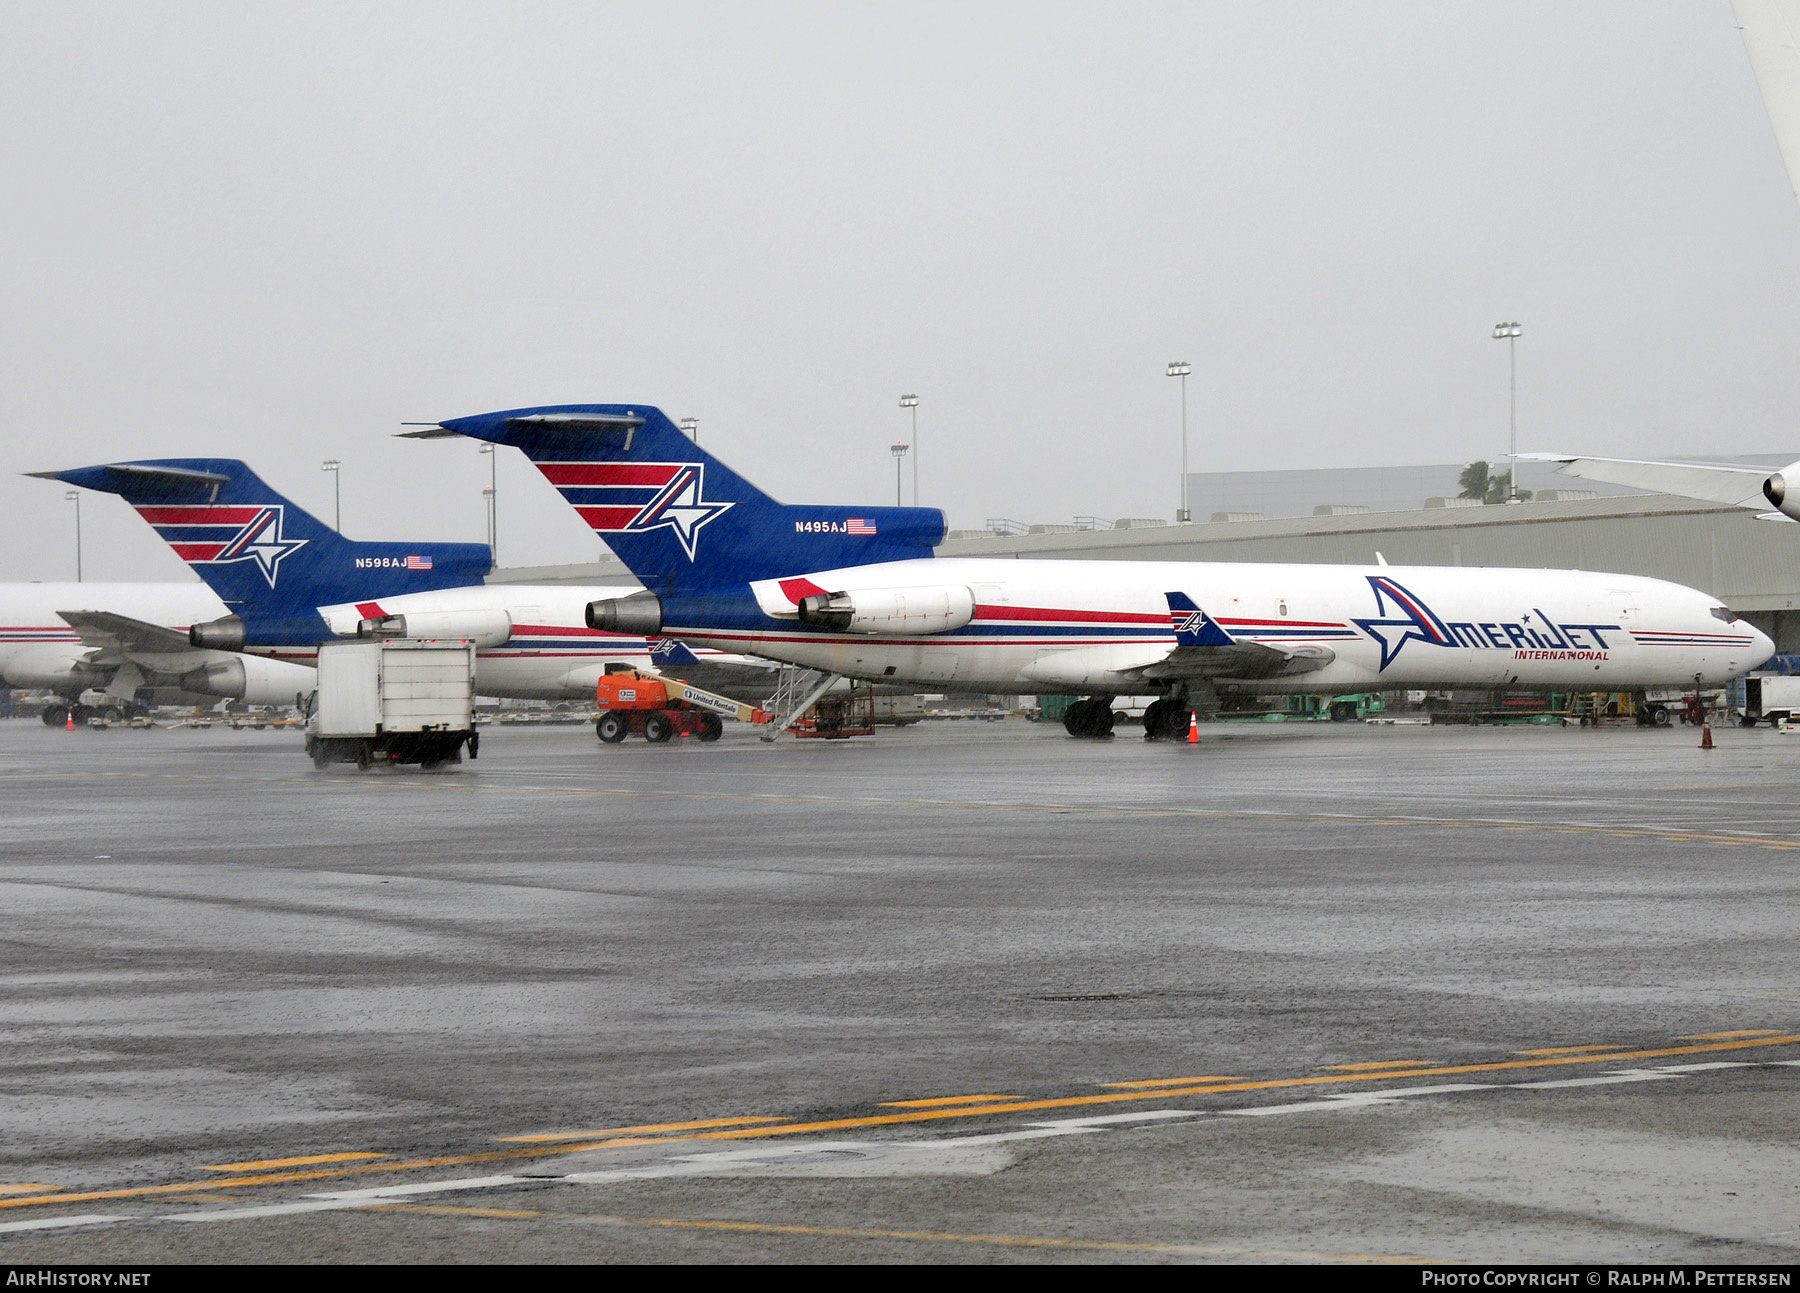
column 483, row 628
column 892, row 612
column 1782, row 489
column 639, row 615
column 254, row 679
column 223, row 634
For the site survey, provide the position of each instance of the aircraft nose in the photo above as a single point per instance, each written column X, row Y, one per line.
column 1762, row 647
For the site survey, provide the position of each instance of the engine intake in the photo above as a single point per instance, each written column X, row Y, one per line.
column 891, row 612
column 639, row 615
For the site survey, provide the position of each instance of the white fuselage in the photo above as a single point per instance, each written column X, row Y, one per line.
column 1084, row 626
column 39, row 649
column 552, row 653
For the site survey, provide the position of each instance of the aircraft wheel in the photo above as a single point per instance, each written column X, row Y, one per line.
column 56, row 715
column 611, row 727
column 1153, row 719
column 658, row 728
column 1175, row 721
column 711, row 727
column 1075, row 718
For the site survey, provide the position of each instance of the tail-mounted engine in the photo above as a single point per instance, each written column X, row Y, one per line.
column 893, row 612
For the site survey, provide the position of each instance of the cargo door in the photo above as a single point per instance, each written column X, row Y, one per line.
column 425, row 686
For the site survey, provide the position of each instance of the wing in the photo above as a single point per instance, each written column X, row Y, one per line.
column 1739, row 486
column 119, row 640
column 1250, row 661
column 1204, row 650
column 122, row 635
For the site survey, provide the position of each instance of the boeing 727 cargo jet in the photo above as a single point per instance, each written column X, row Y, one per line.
column 858, row 592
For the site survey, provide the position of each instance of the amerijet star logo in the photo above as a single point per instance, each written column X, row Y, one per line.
column 261, row 541
column 1419, row 624
column 681, row 506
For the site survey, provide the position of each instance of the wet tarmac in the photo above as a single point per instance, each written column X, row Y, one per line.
column 969, row 992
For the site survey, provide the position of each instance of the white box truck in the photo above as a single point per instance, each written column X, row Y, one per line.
column 1771, row 696
column 393, row 700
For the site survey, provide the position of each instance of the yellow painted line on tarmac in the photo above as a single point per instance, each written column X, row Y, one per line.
column 1736, row 1032
column 1372, row 1065
column 1576, row 1050
column 945, row 1101
column 305, row 1160
column 328, row 1171
column 914, row 1236
column 1144, row 1084
column 27, row 1187
column 696, row 1125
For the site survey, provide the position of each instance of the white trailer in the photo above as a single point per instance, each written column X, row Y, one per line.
column 1771, row 696
column 393, row 700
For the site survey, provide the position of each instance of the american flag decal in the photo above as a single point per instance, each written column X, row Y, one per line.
column 418, row 563
column 857, row 525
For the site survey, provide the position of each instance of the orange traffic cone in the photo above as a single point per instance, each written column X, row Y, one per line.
column 1706, row 736
column 1193, row 728
column 71, row 718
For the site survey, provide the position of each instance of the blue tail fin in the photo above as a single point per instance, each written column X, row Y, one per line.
column 269, row 560
column 681, row 519
column 1193, row 626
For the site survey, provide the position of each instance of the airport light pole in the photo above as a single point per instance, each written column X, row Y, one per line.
column 1181, row 368
column 912, row 402
column 492, row 494
column 74, row 496
column 899, row 452
column 337, row 494
column 1509, row 333
column 692, row 427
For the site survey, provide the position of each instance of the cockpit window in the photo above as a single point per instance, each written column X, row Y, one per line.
column 1723, row 613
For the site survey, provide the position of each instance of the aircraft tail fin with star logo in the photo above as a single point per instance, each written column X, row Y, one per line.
column 265, row 556
column 678, row 517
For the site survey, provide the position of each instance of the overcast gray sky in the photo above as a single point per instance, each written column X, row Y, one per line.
column 275, row 232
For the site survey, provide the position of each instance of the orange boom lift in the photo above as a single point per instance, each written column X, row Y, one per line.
column 664, row 707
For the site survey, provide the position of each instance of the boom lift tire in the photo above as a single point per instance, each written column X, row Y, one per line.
column 658, row 727
column 711, row 728
column 611, row 727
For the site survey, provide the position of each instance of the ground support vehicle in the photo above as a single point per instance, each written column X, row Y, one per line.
column 1771, row 697
column 838, row 715
column 393, row 700
column 660, row 708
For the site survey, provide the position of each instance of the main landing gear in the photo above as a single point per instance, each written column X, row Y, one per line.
column 1091, row 718
column 1166, row 720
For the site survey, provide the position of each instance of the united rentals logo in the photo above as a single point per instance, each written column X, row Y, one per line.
column 638, row 497
column 218, row 534
column 1402, row 617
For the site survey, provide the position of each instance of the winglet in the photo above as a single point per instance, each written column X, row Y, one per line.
column 1193, row 626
